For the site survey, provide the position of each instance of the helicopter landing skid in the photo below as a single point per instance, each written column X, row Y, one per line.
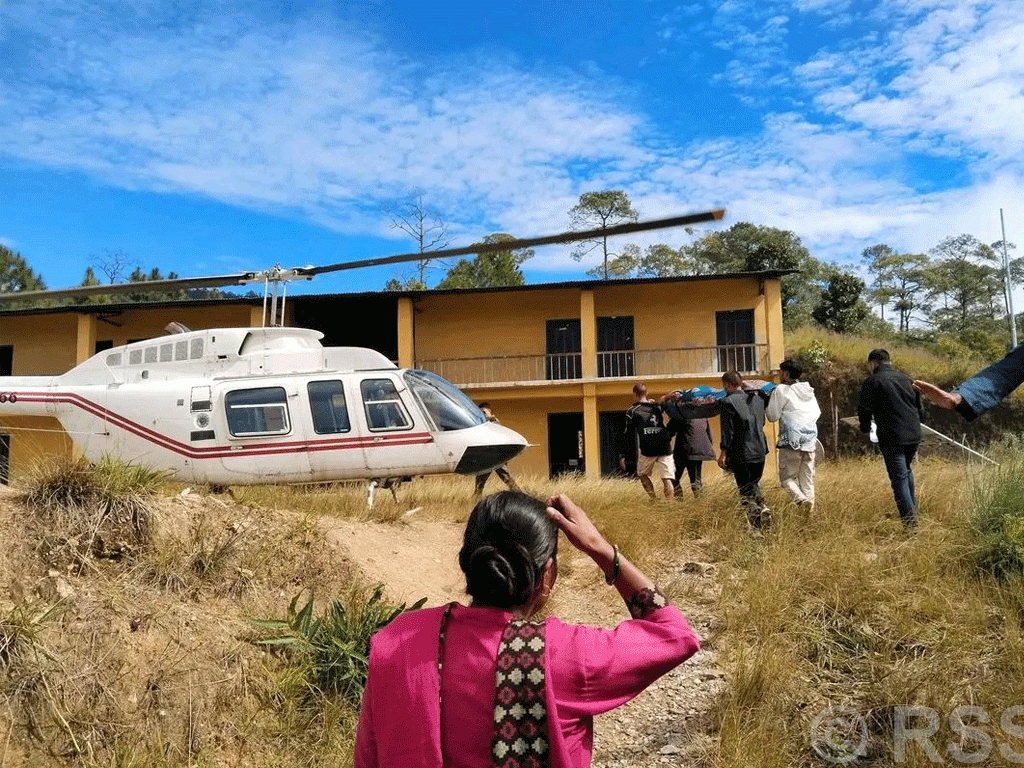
column 391, row 483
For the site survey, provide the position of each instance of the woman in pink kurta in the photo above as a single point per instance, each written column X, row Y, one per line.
column 445, row 688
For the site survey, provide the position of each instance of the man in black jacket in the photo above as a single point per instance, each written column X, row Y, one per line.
column 888, row 397
column 744, row 447
column 645, row 430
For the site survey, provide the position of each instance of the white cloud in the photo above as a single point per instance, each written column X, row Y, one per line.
column 318, row 121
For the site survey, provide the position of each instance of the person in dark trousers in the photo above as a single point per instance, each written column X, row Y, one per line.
column 744, row 446
column 693, row 446
column 888, row 397
column 645, row 428
column 502, row 471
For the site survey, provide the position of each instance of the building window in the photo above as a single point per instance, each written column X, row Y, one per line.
column 261, row 411
column 615, row 346
column 384, row 408
column 735, row 340
column 563, row 359
column 6, row 359
column 327, row 406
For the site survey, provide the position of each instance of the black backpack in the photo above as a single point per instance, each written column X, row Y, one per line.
column 653, row 437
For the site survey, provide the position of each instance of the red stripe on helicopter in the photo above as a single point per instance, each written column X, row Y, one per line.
column 247, row 449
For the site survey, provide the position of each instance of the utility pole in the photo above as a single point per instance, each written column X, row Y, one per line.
column 1009, row 285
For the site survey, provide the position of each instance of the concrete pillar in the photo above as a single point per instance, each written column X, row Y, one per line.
column 588, row 353
column 588, row 335
column 591, row 431
column 406, row 333
column 85, row 343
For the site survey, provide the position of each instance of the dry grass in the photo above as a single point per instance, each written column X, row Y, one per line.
column 844, row 609
column 150, row 660
column 807, row 341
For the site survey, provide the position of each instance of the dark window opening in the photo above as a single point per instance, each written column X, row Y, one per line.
column 563, row 359
column 6, row 359
column 735, row 340
column 615, row 346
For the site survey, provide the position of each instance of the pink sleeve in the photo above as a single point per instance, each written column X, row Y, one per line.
column 596, row 670
column 366, row 745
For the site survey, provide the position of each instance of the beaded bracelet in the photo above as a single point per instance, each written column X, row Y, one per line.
column 614, row 575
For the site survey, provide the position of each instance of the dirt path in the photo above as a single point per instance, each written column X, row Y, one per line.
column 663, row 726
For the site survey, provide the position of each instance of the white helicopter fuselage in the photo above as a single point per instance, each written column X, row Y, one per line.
column 243, row 406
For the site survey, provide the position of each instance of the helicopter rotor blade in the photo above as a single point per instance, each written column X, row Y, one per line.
column 142, row 286
column 308, row 273
column 517, row 244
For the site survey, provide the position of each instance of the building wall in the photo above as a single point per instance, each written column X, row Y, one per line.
column 44, row 345
column 35, row 440
column 673, row 315
column 143, row 323
column 489, row 325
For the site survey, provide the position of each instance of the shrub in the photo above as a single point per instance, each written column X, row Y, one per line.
column 331, row 651
column 84, row 509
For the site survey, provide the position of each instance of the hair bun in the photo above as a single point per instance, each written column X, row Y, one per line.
column 493, row 574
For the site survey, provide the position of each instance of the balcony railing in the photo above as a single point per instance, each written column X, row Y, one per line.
column 641, row 363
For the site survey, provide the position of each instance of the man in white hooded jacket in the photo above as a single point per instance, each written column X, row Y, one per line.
column 792, row 404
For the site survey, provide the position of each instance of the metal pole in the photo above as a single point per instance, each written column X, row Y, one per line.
column 1009, row 285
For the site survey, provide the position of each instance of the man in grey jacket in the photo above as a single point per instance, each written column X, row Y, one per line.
column 744, row 447
column 793, row 405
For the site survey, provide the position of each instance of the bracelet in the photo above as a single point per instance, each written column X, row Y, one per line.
column 610, row 578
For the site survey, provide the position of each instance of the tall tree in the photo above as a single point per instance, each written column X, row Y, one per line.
column 746, row 247
column 966, row 284
column 489, row 270
column 600, row 209
column 899, row 281
column 427, row 229
column 15, row 273
column 841, row 308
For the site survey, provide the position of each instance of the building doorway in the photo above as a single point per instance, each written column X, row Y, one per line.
column 565, row 443
column 612, row 427
column 5, row 459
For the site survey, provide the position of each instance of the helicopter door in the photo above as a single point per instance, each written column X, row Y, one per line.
column 400, row 441
column 336, row 449
column 264, row 443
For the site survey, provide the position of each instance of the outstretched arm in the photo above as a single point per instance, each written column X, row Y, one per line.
column 984, row 390
column 939, row 397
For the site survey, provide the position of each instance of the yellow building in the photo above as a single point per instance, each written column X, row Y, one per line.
column 556, row 361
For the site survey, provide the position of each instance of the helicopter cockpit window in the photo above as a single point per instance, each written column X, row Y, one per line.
column 384, row 409
column 448, row 406
column 327, row 406
column 261, row 411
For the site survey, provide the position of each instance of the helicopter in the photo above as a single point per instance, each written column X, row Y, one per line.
column 243, row 406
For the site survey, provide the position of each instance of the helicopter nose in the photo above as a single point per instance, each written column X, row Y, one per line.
column 482, row 458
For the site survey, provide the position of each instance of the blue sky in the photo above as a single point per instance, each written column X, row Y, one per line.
column 206, row 137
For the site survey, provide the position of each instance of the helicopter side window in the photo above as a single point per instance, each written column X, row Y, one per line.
column 262, row 411
column 384, row 409
column 327, row 406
